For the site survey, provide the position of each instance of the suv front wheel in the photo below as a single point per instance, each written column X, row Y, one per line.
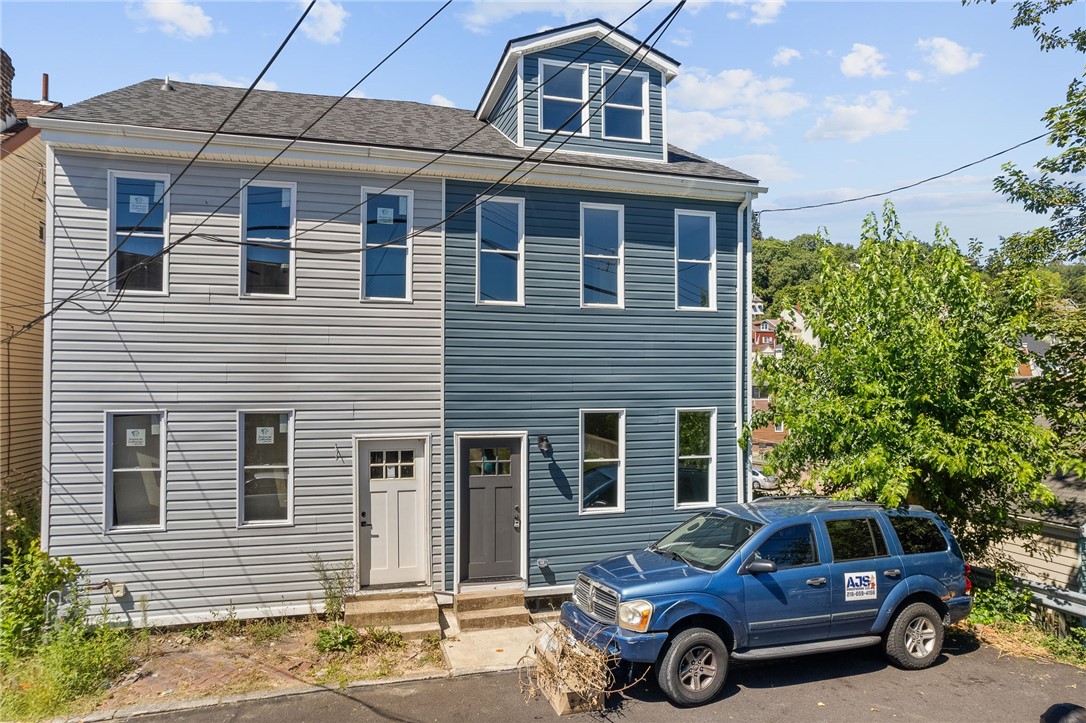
column 693, row 669
column 916, row 637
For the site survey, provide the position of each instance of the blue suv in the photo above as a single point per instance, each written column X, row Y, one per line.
column 775, row 578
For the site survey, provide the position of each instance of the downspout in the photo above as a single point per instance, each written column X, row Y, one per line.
column 742, row 351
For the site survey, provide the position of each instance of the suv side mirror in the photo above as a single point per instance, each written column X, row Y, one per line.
column 756, row 566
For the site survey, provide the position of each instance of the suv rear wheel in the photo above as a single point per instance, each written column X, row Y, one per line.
column 693, row 669
column 916, row 637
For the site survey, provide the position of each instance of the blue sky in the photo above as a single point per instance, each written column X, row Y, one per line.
column 821, row 100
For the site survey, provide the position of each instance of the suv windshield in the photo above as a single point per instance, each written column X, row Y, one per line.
column 706, row 541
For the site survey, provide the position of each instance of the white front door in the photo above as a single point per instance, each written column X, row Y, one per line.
column 391, row 511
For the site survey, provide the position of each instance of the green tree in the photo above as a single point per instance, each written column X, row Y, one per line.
column 909, row 395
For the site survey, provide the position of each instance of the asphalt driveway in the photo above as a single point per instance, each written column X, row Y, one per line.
column 968, row 683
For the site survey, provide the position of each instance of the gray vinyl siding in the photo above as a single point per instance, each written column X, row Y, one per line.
column 201, row 354
column 506, row 116
column 534, row 367
column 603, row 55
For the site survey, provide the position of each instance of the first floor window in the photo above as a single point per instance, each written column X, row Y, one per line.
column 603, row 448
column 695, row 260
column 134, row 470
column 500, row 251
column 267, row 228
column 386, row 261
column 266, row 468
column 601, row 249
column 138, row 232
column 695, row 463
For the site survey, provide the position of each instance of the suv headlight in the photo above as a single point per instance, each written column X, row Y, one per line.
column 635, row 615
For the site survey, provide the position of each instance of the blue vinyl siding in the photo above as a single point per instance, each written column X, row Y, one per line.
column 534, row 367
column 602, row 56
column 506, row 116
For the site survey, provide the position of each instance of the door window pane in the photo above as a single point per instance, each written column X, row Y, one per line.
column 388, row 223
column 266, row 483
column 138, row 234
column 855, row 539
column 267, row 254
column 136, row 469
column 790, row 547
column 500, row 251
column 392, row 464
column 601, row 461
column 696, row 462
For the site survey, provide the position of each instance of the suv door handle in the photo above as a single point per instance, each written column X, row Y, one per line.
column 816, row 581
column 895, row 573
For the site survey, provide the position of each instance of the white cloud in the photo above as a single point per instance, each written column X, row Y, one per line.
column 438, row 99
column 683, row 37
column 482, row 14
column 914, row 76
column 784, row 56
column 866, row 116
column 325, row 21
column 763, row 166
column 864, row 60
column 764, row 12
column 173, row 17
column 739, row 91
column 947, row 57
column 694, row 129
column 220, row 79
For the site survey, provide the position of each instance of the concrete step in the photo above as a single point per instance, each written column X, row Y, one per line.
column 419, row 631
column 489, row 619
column 546, row 616
column 487, row 600
column 384, row 612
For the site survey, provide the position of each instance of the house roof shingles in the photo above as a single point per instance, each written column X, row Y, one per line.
column 357, row 121
column 26, row 109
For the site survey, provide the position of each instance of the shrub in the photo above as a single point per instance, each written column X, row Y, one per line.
column 336, row 580
column 337, row 638
column 1002, row 601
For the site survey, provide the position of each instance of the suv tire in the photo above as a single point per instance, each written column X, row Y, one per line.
column 693, row 669
column 916, row 637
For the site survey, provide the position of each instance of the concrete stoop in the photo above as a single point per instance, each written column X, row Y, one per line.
column 413, row 615
column 491, row 609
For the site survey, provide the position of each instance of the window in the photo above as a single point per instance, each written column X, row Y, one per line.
column 266, row 475
column 267, row 225
column 918, row 535
column 765, row 326
column 603, row 450
column 758, row 393
column 500, row 263
column 392, row 464
column 601, row 249
column 695, row 458
column 779, row 427
column 856, row 539
column 134, row 486
column 563, row 101
column 490, row 461
column 695, row 260
column 139, row 211
column 386, row 263
column 625, row 100
column 790, row 547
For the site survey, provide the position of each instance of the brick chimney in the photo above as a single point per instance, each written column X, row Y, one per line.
column 7, row 74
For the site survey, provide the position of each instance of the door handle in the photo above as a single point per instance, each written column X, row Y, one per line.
column 816, row 581
column 895, row 573
column 363, row 522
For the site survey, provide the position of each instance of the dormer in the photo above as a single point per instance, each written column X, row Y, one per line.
column 625, row 119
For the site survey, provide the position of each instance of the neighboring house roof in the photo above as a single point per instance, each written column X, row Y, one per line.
column 26, row 109
column 1070, row 491
column 355, row 121
column 1033, row 345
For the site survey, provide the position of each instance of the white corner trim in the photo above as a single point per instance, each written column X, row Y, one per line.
column 47, row 350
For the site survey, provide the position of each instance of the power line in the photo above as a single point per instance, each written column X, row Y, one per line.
column 905, row 187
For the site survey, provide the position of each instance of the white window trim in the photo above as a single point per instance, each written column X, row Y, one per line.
column 583, row 100
column 291, row 240
column 112, row 176
column 621, row 463
column 711, row 215
column 605, row 72
column 521, row 263
column 409, row 266
column 621, row 255
column 712, row 459
column 108, row 525
column 779, row 428
column 240, row 497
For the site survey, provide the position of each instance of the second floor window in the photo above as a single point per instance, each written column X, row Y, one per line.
column 138, row 217
column 267, row 261
column 695, row 260
column 601, row 248
column 386, row 262
column 625, row 100
column 563, row 100
column 500, row 262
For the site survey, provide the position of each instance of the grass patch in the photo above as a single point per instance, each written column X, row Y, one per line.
column 266, row 631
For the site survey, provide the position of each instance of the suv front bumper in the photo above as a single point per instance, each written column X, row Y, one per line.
column 611, row 639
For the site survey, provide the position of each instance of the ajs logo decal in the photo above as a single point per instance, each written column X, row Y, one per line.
column 861, row 586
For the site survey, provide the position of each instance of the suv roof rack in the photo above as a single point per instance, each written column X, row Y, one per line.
column 844, row 505
column 774, row 498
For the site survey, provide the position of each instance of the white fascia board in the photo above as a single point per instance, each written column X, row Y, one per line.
column 516, row 51
column 181, row 145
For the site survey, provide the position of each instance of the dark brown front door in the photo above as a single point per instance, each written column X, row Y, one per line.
column 490, row 508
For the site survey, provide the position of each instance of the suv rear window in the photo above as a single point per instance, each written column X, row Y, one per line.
column 855, row 539
column 918, row 535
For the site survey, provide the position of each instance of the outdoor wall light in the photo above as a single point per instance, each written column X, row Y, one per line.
column 544, row 445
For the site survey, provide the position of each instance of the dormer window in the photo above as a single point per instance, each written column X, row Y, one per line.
column 625, row 105
column 563, row 101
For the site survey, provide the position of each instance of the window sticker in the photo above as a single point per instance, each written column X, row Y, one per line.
column 286, row 198
column 138, row 204
column 403, row 205
column 154, row 429
column 283, row 426
column 861, row 586
column 385, row 215
column 160, row 188
column 135, row 438
column 265, row 435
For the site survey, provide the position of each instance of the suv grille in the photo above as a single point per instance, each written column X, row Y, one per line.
column 596, row 600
